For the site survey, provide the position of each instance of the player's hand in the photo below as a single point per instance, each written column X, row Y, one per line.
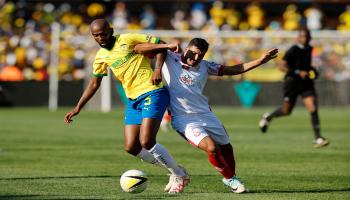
column 175, row 47
column 68, row 117
column 313, row 74
column 269, row 55
column 303, row 74
column 157, row 76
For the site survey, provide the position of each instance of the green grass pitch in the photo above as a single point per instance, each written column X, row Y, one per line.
column 42, row 158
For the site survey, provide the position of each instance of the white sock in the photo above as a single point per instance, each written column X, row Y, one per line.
column 162, row 155
column 146, row 156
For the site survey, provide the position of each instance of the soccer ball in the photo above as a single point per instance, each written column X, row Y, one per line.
column 133, row 181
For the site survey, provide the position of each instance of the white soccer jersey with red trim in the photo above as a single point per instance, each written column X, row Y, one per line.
column 186, row 85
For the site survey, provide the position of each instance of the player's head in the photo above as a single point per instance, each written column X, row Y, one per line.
column 102, row 32
column 304, row 36
column 195, row 51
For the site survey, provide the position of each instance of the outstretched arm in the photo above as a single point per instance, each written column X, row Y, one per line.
column 244, row 67
column 89, row 92
column 145, row 48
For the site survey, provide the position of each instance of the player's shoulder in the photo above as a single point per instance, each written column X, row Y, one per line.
column 132, row 35
column 173, row 55
column 294, row 47
column 125, row 36
column 208, row 63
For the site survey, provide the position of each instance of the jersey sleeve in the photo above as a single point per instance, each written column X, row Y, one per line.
column 136, row 38
column 99, row 68
column 214, row 68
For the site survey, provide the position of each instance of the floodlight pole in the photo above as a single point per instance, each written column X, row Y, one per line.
column 53, row 72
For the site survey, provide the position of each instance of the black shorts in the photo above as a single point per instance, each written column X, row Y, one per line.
column 295, row 86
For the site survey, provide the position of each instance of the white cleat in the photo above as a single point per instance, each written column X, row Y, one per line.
column 170, row 183
column 172, row 179
column 235, row 185
column 178, row 185
column 320, row 142
column 264, row 123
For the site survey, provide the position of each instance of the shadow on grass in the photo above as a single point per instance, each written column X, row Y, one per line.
column 55, row 197
column 301, row 191
column 58, row 177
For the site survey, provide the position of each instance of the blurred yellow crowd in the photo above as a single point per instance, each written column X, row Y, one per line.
column 25, row 36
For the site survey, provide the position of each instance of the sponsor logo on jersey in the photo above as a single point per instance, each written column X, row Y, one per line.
column 187, row 79
column 123, row 60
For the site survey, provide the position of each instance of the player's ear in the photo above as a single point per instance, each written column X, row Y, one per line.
column 110, row 29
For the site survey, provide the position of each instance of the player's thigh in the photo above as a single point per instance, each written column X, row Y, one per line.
column 218, row 133
column 131, row 139
column 189, row 128
column 309, row 98
column 148, row 132
column 133, row 114
column 310, row 103
column 291, row 90
column 215, row 129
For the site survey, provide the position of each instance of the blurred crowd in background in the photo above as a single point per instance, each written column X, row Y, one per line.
column 25, row 33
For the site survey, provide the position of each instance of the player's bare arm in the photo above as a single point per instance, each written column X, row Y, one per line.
column 282, row 65
column 160, row 50
column 244, row 67
column 157, row 74
column 145, row 48
column 89, row 92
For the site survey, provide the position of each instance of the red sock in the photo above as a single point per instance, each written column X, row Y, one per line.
column 167, row 117
column 217, row 160
column 227, row 154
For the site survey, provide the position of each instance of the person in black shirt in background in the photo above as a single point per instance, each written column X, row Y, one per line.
column 299, row 80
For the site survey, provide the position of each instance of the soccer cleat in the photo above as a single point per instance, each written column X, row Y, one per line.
column 178, row 185
column 172, row 177
column 264, row 123
column 235, row 185
column 320, row 142
column 170, row 183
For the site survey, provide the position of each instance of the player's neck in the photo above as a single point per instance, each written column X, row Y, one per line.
column 111, row 43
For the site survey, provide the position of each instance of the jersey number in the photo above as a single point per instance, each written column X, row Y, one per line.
column 147, row 101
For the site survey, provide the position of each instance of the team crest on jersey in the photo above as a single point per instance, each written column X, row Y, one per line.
column 187, row 79
column 196, row 132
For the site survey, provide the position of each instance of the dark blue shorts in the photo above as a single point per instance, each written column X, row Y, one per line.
column 149, row 105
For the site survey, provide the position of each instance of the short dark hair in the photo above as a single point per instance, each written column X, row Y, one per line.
column 200, row 43
column 306, row 30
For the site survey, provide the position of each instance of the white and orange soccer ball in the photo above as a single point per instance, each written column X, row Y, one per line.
column 133, row 181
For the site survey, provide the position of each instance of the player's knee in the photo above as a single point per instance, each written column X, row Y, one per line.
column 131, row 150
column 147, row 143
column 211, row 148
column 286, row 111
column 208, row 145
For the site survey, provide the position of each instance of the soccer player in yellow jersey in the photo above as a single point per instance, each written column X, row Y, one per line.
column 147, row 97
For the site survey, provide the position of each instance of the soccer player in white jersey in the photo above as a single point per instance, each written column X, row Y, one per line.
column 185, row 76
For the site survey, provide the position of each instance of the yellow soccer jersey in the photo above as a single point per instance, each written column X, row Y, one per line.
column 131, row 69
